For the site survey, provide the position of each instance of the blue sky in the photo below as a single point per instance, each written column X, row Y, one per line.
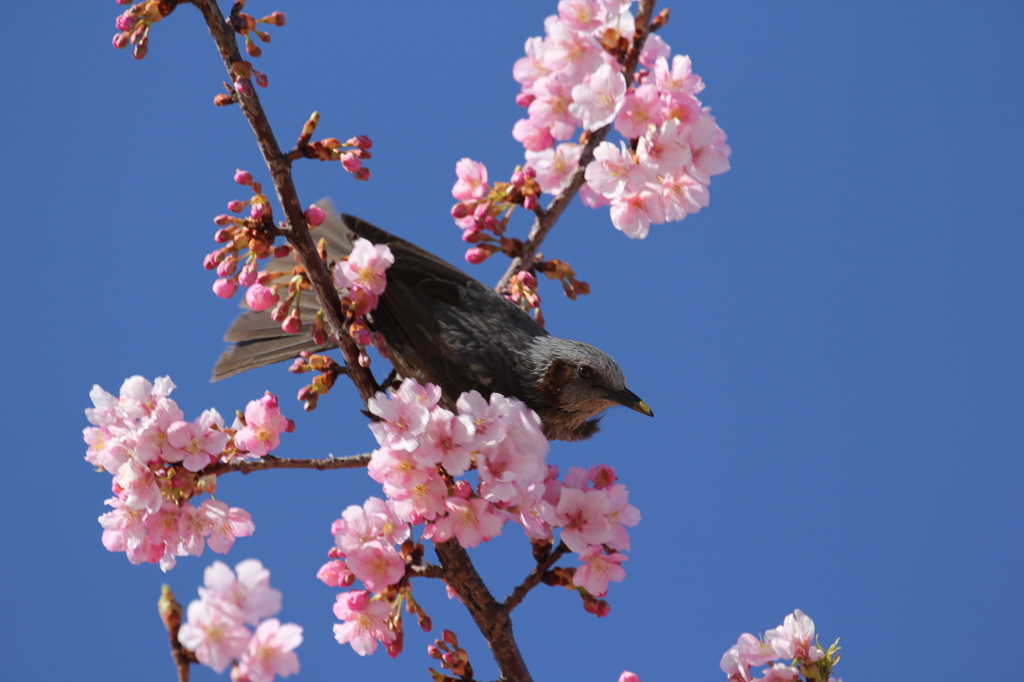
column 832, row 349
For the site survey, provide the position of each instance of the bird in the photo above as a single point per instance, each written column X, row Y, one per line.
column 444, row 327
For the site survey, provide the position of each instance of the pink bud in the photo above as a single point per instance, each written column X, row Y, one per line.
column 141, row 50
column 261, row 78
column 627, row 676
column 279, row 312
column 257, row 211
column 278, row 18
column 476, row 255
column 463, row 489
column 126, row 21
column 235, row 206
column 364, row 360
column 362, row 174
column 315, row 215
column 260, row 298
column 243, row 177
column 351, row 162
column 247, row 277
column 227, row 267
column 473, row 235
column 529, row 172
column 289, row 426
column 210, row 261
column 292, row 324
column 527, row 279
column 518, row 178
column 225, row 288
column 525, row 100
column 242, row 87
column 282, row 251
column 269, row 400
column 221, row 236
column 460, row 211
column 223, row 219
column 121, row 40
column 530, row 202
column 363, row 142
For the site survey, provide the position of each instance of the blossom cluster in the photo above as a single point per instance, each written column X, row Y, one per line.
column 571, row 78
column 794, row 640
column 216, row 629
column 157, row 461
column 362, row 277
column 426, row 453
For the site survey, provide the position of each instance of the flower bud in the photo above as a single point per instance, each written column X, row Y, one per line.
column 242, row 87
column 351, row 162
column 314, row 215
column 225, row 288
column 477, row 255
column 463, row 489
column 292, row 324
column 210, row 261
column 222, row 100
column 235, row 206
column 529, row 172
column 141, row 50
column 260, row 298
column 252, row 49
column 126, row 21
column 530, row 202
column 362, row 174
column 121, row 40
column 257, row 211
column 518, row 178
column 459, row 211
column 243, row 177
column 222, row 236
column 227, row 267
column 524, row 100
column 282, row 251
column 261, row 79
column 527, row 279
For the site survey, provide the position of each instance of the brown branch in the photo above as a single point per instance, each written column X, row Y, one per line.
column 170, row 614
column 425, row 571
column 536, row 575
column 493, row 620
column 271, row 462
column 281, row 172
column 549, row 216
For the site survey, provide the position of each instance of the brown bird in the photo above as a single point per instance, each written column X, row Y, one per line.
column 444, row 327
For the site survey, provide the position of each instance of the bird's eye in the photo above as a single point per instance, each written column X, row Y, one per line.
column 583, row 372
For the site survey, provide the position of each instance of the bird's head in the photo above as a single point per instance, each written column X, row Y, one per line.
column 577, row 382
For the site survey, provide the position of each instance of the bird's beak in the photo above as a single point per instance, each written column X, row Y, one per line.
column 631, row 400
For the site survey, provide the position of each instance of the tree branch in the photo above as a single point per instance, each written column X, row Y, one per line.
column 170, row 613
column 281, row 172
column 536, row 575
column 549, row 216
column 493, row 620
column 271, row 462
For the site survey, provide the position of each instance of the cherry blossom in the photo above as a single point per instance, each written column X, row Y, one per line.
column 583, row 517
column 271, row 652
column 215, row 636
column 472, row 180
column 555, row 166
column 365, row 267
column 634, row 212
column 264, row 425
column 598, row 568
column 365, row 622
column 597, row 102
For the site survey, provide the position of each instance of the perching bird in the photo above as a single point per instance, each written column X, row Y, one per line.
column 444, row 327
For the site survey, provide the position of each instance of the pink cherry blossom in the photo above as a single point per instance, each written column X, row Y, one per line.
column 528, row 69
column 365, row 622
column 472, row 180
column 226, row 524
column 550, row 109
column 404, row 417
column 710, row 152
column 679, row 81
column 446, row 441
column 376, row 520
column 795, row 638
column 654, row 49
column 335, row 574
column 152, row 443
column 682, row 194
column 666, row 150
column 377, row 565
column 613, row 171
column 483, row 417
column 633, row 212
column 422, row 499
column 471, row 521
column 779, row 673
column 555, row 166
column 583, row 518
column 620, row 515
column 248, row 594
column 365, row 267
column 598, row 101
column 598, row 569
column 734, row 668
column 532, row 136
column 271, row 652
column 202, row 440
column 569, row 53
column 580, row 15
column 640, row 109
column 264, row 425
column 214, row 635
column 754, row 651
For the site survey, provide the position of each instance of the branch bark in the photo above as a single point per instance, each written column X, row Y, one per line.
column 493, row 620
column 271, row 462
column 536, row 575
column 281, row 172
column 547, row 219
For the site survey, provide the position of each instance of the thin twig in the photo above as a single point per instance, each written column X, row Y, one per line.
column 425, row 570
column 298, row 231
column 170, row 613
column 536, row 575
column 271, row 462
column 547, row 219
